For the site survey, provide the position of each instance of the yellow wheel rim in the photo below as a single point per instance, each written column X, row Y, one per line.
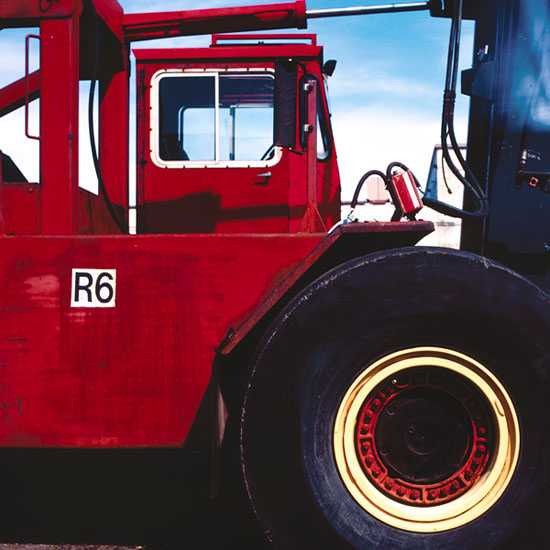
column 459, row 495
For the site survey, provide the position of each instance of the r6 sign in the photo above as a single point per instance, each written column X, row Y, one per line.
column 93, row 288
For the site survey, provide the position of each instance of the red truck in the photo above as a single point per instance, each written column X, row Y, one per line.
column 366, row 393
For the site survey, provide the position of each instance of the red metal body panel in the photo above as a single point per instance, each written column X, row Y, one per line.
column 230, row 199
column 19, row 208
column 93, row 216
column 192, row 55
column 113, row 124
column 134, row 374
column 205, row 200
column 111, row 12
column 395, row 234
column 28, row 14
column 312, row 220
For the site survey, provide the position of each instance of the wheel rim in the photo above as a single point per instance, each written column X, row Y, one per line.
column 426, row 439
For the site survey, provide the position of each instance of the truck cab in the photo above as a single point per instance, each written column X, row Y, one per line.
column 238, row 109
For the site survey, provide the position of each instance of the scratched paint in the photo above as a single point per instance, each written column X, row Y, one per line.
column 43, row 290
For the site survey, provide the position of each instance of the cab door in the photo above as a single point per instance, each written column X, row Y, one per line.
column 208, row 162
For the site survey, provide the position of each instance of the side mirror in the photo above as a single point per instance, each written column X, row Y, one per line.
column 329, row 66
column 285, row 98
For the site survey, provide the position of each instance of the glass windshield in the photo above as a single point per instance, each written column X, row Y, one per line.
column 215, row 117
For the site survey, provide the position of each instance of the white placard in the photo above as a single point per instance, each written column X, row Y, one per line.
column 93, row 288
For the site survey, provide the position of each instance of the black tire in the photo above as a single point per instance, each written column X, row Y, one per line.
column 344, row 322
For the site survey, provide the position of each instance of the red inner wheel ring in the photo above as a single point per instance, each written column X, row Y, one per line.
column 424, row 436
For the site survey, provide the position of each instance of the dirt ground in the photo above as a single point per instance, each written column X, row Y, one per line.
column 66, row 547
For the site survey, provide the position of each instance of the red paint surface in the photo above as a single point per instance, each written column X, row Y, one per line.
column 59, row 125
column 145, row 26
column 20, row 14
column 134, row 374
column 395, row 234
column 228, row 200
column 19, row 208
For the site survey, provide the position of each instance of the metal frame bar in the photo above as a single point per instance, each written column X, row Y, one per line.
column 27, row 40
column 367, row 10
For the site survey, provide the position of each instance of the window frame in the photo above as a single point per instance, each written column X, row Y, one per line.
column 154, row 130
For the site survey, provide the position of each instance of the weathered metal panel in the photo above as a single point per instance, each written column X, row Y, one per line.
column 133, row 374
column 345, row 242
column 19, row 208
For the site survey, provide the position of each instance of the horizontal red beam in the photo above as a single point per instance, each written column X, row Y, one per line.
column 147, row 26
column 12, row 96
column 227, row 52
column 27, row 13
column 292, row 38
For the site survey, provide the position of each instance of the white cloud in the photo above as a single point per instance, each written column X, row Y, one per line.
column 12, row 43
column 378, row 80
column 371, row 137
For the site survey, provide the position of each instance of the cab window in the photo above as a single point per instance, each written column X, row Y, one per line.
column 219, row 117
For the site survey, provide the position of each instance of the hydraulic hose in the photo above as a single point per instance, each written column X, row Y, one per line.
column 363, row 179
column 448, row 133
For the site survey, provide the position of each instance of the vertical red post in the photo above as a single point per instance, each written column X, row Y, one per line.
column 312, row 221
column 2, row 218
column 59, row 125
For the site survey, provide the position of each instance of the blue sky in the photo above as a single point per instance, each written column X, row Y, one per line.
column 385, row 94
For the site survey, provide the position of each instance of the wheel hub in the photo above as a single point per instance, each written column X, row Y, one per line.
column 426, row 439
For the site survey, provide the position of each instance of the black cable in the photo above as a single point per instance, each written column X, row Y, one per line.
column 447, row 130
column 363, row 179
column 95, row 157
column 444, row 174
column 447, row 127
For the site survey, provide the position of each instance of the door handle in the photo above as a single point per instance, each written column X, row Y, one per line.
column 263, row 177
